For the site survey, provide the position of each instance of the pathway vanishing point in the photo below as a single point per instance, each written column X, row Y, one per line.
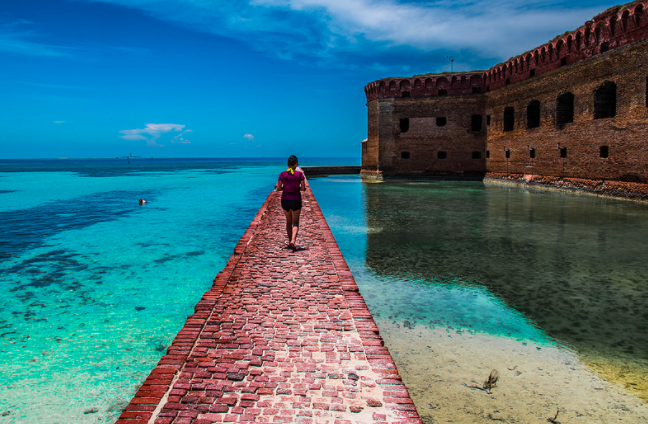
column 281, row 337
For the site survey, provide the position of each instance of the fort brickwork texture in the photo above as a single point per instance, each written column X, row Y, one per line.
column 571, row 113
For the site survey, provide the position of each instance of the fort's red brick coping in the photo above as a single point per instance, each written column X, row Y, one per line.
column 280, row 337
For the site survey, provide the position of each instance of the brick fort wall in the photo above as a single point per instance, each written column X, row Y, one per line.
column 574, row 109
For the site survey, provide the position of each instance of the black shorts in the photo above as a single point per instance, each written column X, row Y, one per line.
column 293, row 205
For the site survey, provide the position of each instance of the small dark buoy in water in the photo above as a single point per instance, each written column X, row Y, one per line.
column 140, row 308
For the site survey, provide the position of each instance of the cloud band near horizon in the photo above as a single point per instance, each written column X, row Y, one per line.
column 328, row 30
column 151, row 133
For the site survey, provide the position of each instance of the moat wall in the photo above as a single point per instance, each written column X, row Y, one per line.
column 572, row 113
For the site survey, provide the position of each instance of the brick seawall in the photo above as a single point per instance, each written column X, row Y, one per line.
column 281, row 337
column 613, row 189
column 331, row 170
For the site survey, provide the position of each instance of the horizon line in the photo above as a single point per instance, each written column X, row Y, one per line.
column 180, row 157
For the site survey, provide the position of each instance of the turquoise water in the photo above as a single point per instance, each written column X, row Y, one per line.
column 94, row 287
column 396, row 287
column 538, row 266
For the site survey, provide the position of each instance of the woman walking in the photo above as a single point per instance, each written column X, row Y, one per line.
column 291, row 183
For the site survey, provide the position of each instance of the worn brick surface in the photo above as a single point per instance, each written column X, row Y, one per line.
column 281, row 337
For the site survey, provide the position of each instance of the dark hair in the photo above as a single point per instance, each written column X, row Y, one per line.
column 292, row 160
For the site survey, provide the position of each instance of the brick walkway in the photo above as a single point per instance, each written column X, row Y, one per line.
column 281, row 337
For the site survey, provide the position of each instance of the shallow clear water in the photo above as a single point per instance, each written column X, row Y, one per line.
column 94, row 287
column 538, row 266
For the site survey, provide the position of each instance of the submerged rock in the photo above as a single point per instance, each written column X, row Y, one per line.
column 119, row 406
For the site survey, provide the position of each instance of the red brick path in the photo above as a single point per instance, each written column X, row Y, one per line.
column 281, row 337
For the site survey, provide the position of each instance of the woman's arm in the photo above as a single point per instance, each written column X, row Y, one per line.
column 303, row 185
column 279, row 186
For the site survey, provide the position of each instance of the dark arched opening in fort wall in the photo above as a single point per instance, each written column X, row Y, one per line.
column 585, row 89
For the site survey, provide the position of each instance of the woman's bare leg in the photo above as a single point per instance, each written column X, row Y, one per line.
column 295, row 225
column 289, row 224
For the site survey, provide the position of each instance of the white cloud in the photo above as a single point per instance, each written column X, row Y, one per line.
column 152, row 133
column 179, row 138
column 23, row 37
column 249, row 137
column 59, row 122
column 19, row 37
column 165, row 127
column 501, row 28
column 333, row 30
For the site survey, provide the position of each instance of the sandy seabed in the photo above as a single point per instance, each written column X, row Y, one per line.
column 442, row 368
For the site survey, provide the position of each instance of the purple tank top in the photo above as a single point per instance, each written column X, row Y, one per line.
column 291, row 185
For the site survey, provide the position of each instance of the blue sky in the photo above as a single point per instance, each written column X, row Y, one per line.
column 209, row 78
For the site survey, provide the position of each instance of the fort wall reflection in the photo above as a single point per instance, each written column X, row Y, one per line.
column 574, row 265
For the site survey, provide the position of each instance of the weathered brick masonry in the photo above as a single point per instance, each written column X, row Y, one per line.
column 571, row 113
column 280, row 337
column 438, row 138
